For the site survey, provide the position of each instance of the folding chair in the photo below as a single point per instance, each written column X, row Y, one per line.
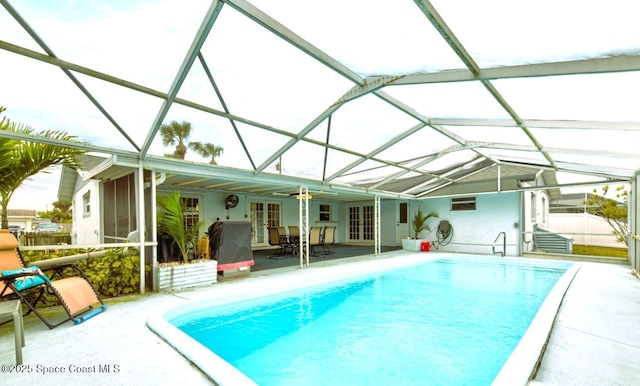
column 75, row 294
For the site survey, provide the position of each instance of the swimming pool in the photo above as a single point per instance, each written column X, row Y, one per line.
column 408, row 324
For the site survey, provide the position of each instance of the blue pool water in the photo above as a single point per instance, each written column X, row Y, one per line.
column 443, row 322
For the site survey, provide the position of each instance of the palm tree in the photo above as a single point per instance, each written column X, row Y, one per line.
column 420, row 219
column 21, row 159
column 207, row 150
column 175, row 133
column 6, row 144
column 171, row 222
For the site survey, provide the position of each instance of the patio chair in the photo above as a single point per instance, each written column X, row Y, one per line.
column 315, row 239
column 282, row 243
column 75, row 294
column 283, row 235
column 294, row 235
column 328, row 238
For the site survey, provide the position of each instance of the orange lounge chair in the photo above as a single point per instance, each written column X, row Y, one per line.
column 75, row 294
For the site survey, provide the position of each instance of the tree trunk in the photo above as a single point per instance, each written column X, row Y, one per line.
column 5, row 218
column 181, row 150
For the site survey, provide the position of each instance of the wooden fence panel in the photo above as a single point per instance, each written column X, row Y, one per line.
column 31, row 239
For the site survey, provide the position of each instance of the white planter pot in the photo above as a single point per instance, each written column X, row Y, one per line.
column 177, row 277
column 412, row 244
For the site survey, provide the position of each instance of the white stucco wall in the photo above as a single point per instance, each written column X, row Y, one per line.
column 476, row 230
column 86, row 228
column 388, row 222
column 213, row 209
column 535, row 212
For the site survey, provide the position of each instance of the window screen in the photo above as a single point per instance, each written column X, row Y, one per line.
column 463, row 203
column 325, row 212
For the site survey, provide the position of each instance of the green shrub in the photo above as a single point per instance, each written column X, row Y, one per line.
column 114, row 274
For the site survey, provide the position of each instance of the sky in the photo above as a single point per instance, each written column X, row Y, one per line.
column 37, row 193
column 144, row 41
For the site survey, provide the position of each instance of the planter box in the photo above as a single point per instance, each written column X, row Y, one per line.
column 412, row 244
column 182, row 276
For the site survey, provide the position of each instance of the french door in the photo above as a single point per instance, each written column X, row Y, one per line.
column 263, row 214
column 361, row 223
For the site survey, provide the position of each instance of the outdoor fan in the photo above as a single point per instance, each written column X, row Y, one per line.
column 231, row 201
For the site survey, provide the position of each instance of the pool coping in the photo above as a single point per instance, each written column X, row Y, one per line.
column 521, row 365
column 219, row 370
column 517, row 370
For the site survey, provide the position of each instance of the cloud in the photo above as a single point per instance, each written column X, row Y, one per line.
column 38, row 193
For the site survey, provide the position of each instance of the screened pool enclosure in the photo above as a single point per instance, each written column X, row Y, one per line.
column 348, row 99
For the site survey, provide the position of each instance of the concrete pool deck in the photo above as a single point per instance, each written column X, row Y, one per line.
column 594, row 341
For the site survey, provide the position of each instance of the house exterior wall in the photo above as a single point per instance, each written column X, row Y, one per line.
column 213, row 209
column 474, row 231
column 27, row 222
column 86, row 228
column 427, row 206
column 535, row 212
column 388, row 222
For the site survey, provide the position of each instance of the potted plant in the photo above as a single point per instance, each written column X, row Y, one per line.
column 184, row 274
column 419, row 224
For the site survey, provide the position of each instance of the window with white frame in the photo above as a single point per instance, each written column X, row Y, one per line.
column 463, row 203
column 192, row 211
column 324, row 212
column 86, row 203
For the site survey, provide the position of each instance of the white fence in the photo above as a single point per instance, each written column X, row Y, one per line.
column 585, row 229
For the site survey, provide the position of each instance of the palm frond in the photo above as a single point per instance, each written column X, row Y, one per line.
column 175, row 132
column 171, row 221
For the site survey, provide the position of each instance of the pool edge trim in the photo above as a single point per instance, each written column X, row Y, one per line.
column 517, row 370
column 216, row 368
column 221, row 371
column 523, row 361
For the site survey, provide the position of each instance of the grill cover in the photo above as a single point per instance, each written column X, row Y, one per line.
column 230, row 244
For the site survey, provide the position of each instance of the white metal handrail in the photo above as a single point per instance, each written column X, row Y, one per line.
column 504, row 244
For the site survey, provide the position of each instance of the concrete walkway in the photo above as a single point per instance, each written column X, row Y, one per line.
column 595, row 340
column 596, row 337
